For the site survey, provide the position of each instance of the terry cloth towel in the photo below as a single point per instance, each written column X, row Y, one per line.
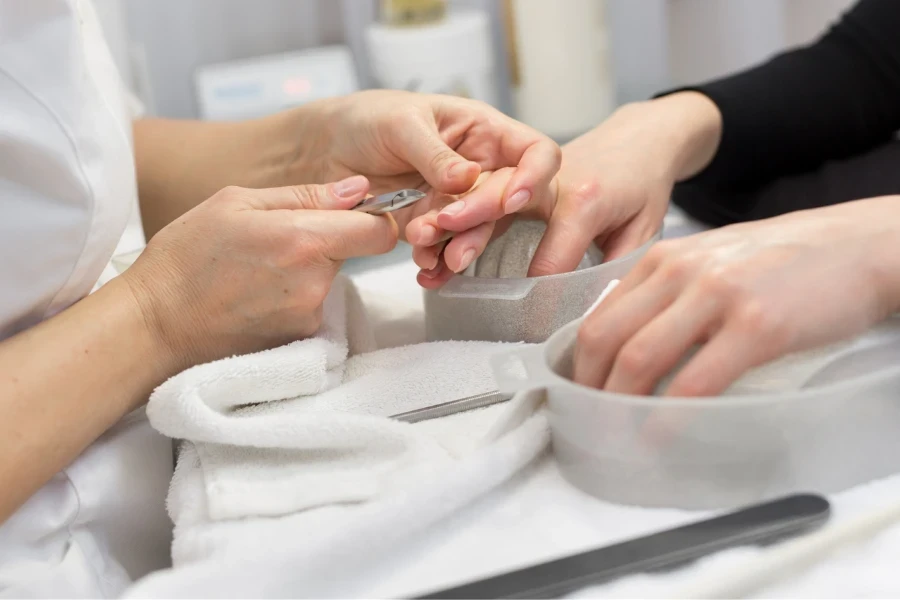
column 304, row 426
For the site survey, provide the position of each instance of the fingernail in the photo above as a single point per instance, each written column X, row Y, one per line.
column 467, row 259
column 427, row 235
column 350, row 187
column 517, row 201
column 457, row 169
column 431, row 273
column 454, row 209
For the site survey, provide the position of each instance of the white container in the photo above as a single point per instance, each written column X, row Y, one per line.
column 820, row 422
column 454, row 56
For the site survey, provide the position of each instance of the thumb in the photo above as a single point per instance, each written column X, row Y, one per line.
column 420, row 144
column 340, row 195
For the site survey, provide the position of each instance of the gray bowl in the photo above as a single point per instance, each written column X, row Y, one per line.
column 494, row 301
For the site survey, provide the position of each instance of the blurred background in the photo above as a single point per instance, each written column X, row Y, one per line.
column 559, row 65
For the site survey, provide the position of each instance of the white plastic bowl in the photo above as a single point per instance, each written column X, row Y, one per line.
column 836, row 428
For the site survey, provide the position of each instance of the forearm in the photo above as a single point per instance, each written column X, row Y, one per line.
column 881, row 218
column 182, row 163
column 66, row 381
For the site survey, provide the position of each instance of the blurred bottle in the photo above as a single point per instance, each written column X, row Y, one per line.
column 420, row 45
column 560, row 66
column 412, row 12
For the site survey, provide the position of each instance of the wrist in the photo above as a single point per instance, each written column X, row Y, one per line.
column 688, row 128
column 167, row 343
column 154, row 362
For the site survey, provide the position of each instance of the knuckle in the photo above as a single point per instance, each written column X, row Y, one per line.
column 676, row 268
column 304, row 194
column 721, row 282
column 585, row 194
column 754, row 318
column 634, row 358
column 231, row 192
column 587, row 337
column 660, row 252
column 591, row 335
column 441, row 159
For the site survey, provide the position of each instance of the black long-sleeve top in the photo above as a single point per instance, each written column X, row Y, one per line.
column 833, row 99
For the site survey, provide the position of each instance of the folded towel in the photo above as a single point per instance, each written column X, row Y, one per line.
column 288, row 452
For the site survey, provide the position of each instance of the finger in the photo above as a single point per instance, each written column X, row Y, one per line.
column 339, row 235
column 427, row 257
column 419, row 143
column 628, row 239
column 537, row 167
column 655, row 350
column 563, row 245
column 339, row 195
column 628, row 308
column 432, row 279
column 424, row 230
column 465, row 247
column 482, row 204
column 721, row 361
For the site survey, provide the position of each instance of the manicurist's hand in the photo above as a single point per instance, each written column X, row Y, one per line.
column 439, row 144
column 245, row 270
column 747, row 293
column 249, row 269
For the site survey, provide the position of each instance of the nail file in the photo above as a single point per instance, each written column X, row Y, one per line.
column 453, row 407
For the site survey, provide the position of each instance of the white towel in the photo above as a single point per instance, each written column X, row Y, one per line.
column 283, row 448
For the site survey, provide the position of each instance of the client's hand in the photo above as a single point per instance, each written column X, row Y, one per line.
column 249, row 269
column 748, row 293
column 613, row 187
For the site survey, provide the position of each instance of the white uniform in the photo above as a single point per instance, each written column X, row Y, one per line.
column 67, row 187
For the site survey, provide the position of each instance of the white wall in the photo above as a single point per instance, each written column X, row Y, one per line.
column 654, row 43
column 710, row 38
column 177, row 36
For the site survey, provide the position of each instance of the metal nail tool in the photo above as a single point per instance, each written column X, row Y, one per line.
column 385, row 203
column 453, row 407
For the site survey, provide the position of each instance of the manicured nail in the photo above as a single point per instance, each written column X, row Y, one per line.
column 427, row 235
column 517, row 201
column 454, row 209
column 431, row 273
column 467, row 259
column 350, row 187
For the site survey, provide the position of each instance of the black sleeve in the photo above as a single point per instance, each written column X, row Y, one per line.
column 833, row 99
